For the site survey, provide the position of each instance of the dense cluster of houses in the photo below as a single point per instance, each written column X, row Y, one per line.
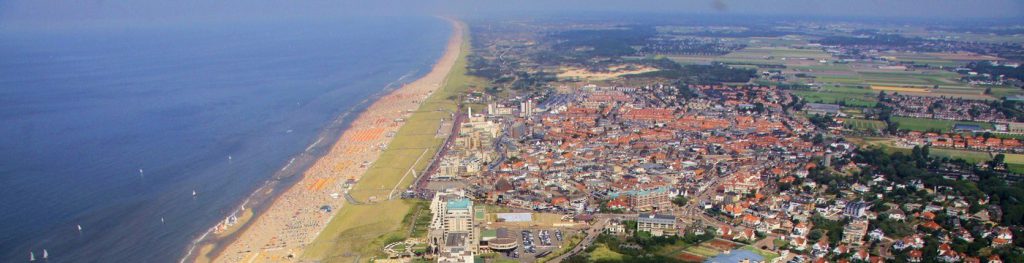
column 958, row 109
column 960, row 141
column 731, row 149
column 634, row 149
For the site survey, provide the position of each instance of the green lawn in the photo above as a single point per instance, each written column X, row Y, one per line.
column 768, row 255
column 603, row 253
column 925, row 124
column 969, row 156
column 850, row 90
column 865, row 125
column 849, row 99
column 703, row 251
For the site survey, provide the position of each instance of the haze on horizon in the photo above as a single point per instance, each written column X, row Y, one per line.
column 59, row 14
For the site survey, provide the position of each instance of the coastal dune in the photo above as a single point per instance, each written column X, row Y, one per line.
column 299, row 213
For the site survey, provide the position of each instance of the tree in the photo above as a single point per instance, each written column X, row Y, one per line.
column 680, row 200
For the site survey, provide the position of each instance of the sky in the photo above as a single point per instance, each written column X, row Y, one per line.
column 64, row 13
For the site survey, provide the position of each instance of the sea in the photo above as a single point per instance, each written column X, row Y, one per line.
column 113, row 128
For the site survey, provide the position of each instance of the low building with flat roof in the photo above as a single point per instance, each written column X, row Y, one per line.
column 515, row 217
column 657, row 224
column 499, row 240
column 820, row 108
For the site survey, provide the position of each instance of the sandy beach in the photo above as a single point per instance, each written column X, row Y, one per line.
column 296, row 217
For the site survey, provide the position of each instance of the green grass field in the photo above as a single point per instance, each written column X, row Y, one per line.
column 603, row 253
column 925, row 79
column 349, row 234
column 969, row 156
column 1015, row 162
column 924, row 124
column 849, row 99
column 703, row 251
column 865, row 125
column 768, row 255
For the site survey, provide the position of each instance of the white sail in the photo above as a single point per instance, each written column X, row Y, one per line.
column 31, row 256
column 161, row 220
column 79, row 228
column 141, row 173
column 194, row 193
column 45, row 255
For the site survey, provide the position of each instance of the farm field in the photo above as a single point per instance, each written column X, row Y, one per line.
column 761, row 56
column 923, row 124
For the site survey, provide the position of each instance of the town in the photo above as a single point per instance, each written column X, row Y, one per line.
column 637, row 142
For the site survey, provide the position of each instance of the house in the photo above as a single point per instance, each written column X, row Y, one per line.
column 877, row 234
column 1003, row 237
column 914, row 255
column 724, row 231
column 856, row 209
column 896, row 214
column 841, row 249
column 821, row 248
column 854, row 232
column 615, row 228
column 747, row 235
column 861, row 255
column 801, row 229
column 799, row 243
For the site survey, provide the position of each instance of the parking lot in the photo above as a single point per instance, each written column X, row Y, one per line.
column 538, row 242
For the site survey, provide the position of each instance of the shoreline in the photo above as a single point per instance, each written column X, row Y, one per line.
column 261, row 198
column 286, row 211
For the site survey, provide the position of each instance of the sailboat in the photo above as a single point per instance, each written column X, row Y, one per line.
column 45, row 255
column 194, row 194
column 161, row 220
column 141, row 174
column 31, row 256
column 79, row 229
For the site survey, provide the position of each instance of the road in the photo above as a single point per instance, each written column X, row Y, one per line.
column 592, row 234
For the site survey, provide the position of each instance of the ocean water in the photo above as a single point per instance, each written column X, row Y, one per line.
column 81, row 111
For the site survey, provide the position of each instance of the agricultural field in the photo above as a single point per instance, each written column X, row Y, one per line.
column 911, row 78
column 779, row 53
column 761, row 56
column 923, row 124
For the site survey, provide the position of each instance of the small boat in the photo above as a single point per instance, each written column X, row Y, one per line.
column 79, row 229
column 161, row 220
column 31, row 256
column 141, row 174
column 45, row 255
column 194, row 194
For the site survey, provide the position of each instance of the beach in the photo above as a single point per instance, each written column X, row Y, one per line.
column 298, row 214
